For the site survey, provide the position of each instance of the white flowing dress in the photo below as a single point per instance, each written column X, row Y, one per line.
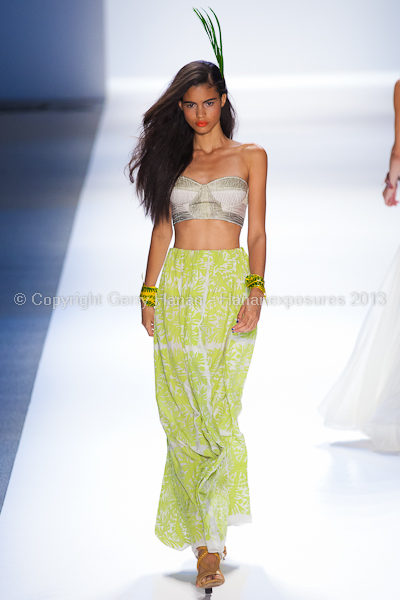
column 366, row 397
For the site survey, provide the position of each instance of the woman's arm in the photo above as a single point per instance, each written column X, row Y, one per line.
column 160, row 241
column 389, row 193
column 249, row 313
column 256, row 238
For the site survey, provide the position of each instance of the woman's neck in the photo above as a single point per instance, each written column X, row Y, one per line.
column 210, row 141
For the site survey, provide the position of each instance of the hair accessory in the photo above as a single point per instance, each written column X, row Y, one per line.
column 209, row 27
column 148, row 295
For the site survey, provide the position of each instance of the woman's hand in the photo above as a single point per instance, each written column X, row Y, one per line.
column 249, row 313
column 389, row 195
column 148, row 319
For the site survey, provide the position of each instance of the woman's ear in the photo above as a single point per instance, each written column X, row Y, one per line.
column 223, row 100
column 180, row 104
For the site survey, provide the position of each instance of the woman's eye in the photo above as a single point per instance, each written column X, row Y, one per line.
column 209, row 103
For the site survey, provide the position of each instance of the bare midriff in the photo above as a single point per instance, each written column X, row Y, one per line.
column 207, row 234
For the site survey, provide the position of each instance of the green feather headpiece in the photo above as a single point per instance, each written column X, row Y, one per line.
column 212, row 36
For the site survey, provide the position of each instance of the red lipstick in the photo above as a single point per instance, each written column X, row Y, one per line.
column 201, row 123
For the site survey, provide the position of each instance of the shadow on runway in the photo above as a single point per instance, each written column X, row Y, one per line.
column 360, row 474
column 245, row 582
column 190, row 576
column 362, row 445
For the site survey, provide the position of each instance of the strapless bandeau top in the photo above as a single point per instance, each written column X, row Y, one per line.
column 225, row 199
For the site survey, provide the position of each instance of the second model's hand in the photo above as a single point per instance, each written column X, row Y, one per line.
column 389, row 196
column 389, row 193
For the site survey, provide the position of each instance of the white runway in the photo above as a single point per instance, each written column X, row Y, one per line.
column 78, row 519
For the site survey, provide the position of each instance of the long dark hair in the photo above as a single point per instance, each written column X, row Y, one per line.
column 165, row 146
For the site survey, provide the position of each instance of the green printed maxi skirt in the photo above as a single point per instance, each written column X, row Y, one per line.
column 200, row 369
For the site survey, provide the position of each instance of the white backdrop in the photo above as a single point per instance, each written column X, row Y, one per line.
column 290, row 36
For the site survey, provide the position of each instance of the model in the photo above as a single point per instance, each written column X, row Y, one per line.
column 192, row 175
column 366, row 397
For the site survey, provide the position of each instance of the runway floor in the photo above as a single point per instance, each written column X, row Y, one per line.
column 78, row 517
column 43, row 156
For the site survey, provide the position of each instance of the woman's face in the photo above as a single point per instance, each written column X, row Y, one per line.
column 201, row 106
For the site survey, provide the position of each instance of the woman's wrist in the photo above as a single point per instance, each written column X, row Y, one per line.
column 392, row 185
column 255, row 291
column 148, row 296
column 144, row 305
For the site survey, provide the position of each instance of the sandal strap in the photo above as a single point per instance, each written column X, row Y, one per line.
column 204, row 549
column 205, row 553
column 216, row 571
column 213, row 573
column 201, row 555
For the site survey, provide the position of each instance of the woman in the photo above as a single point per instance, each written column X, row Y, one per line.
column 366, row 397
column 191, row 172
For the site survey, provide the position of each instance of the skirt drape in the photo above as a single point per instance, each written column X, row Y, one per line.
column 366, row 397
column 200, row 370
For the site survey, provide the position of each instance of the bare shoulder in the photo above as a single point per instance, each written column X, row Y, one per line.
column 253, row 150
column 256, row 158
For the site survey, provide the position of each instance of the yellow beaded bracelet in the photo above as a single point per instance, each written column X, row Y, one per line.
column 148, row 295
column 256, row 281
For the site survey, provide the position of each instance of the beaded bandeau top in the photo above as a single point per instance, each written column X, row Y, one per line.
column 225, row 199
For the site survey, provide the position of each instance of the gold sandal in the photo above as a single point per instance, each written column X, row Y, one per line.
column 204, row 572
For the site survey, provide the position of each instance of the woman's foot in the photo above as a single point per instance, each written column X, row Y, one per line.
column 208, row 569
column 211, row 563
